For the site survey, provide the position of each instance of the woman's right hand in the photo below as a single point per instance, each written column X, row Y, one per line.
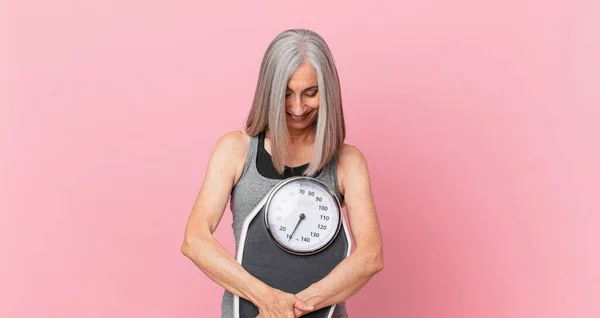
column 279, row 304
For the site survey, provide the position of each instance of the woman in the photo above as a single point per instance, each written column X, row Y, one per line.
column 295, row 127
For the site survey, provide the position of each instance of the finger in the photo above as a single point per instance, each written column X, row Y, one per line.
column 303, row 305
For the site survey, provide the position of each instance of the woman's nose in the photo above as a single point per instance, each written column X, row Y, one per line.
column 296, row 107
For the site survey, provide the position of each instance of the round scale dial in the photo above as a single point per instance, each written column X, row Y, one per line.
column 302, row 215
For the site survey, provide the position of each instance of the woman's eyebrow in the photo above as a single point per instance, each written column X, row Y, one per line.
column 308, row 88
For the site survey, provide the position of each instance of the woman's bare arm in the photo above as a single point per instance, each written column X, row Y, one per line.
column 199, row 245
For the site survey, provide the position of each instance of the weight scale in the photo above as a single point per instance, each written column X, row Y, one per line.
column 293, row 238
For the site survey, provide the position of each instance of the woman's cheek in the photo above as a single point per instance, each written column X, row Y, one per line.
column 314, row 102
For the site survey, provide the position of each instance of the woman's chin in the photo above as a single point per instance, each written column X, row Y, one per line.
column 298, row 125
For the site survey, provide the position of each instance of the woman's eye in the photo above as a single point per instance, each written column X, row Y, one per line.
column 312, row 94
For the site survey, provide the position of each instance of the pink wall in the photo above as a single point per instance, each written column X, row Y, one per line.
column 480, row 121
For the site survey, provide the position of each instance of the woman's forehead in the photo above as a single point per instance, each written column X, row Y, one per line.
column 304, row 77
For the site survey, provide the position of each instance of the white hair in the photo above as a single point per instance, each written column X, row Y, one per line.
column 284, row 55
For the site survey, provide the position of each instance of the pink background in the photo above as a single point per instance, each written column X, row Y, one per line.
column 480, row 121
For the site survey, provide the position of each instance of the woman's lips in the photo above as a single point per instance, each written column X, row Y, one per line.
column 298, row 118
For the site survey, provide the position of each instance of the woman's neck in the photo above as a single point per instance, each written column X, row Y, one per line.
column 298, row 137
column 301, row 137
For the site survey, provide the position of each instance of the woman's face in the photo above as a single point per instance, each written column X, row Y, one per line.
column 302, row 98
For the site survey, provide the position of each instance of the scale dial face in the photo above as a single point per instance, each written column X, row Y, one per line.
column 303, row 215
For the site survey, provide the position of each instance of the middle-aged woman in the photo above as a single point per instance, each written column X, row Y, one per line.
column 295, row 127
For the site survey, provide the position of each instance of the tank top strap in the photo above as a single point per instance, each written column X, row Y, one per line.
column 329, row 176
column 251, row 155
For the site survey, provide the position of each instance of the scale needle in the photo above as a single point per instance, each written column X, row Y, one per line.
column 300, row 218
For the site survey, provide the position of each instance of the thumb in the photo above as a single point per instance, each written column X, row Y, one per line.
column 302, row 305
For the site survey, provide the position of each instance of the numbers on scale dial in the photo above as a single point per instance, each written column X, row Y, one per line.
column 317, row 223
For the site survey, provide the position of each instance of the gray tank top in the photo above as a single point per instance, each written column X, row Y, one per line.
column 247, row 193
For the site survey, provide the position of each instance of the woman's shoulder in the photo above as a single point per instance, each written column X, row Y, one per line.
column 349, row 155
column 234, row 139
column 351, row 163
column 232, row 148
column 232, row 144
